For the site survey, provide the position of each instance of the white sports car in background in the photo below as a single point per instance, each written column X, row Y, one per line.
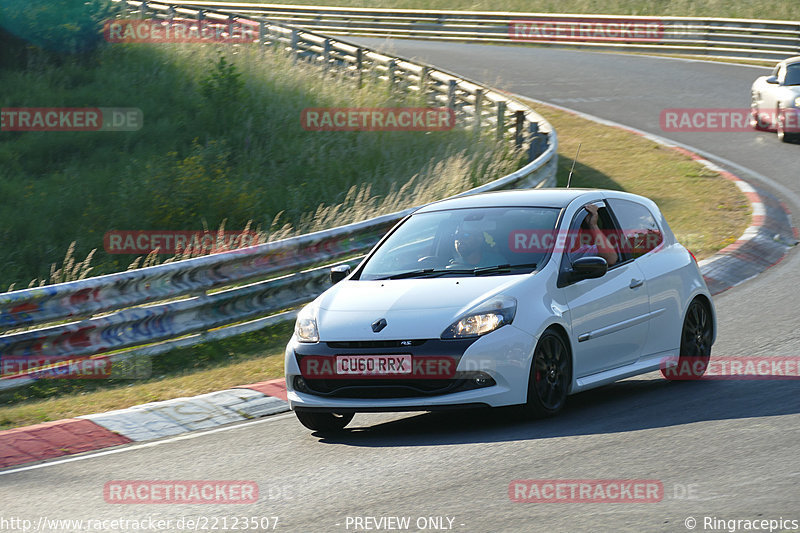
column 506, row 298
column 775, row 100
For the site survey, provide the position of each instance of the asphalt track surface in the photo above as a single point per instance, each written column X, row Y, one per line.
column 723, row 450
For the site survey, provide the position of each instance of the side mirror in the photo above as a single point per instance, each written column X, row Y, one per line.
column 339, row 272
column 772, row 80
column 588, row 268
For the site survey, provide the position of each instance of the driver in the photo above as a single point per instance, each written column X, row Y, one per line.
column 473, row 251
column 600, row 246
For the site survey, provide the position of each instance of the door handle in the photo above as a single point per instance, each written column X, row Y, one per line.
column 636, row 283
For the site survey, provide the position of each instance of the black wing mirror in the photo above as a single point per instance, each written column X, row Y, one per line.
column 339, row 272
column 588, row 268
column 773, row 80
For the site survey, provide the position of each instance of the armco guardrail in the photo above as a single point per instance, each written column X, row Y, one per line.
column 119, row 317
column 768, row 40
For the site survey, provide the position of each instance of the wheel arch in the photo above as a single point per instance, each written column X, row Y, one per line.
column 709, row 305
column 561, row 330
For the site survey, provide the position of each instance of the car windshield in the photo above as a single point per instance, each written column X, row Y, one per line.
column 792, row 75
column 465, row 242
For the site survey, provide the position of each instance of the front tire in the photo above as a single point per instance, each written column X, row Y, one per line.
column 783, row 136
column 550, row 376
column 324, row 422
column 755, row 115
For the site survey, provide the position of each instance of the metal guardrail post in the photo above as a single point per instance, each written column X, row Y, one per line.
column 478, row 110
column 143, row 10
column 201, row 15
column 262, row 35
column 534, row 139
column 424, row 75
column 326, row 53
column 798, row 39
column 295, row 45
column 171, row 13
column 392, row 74
column 359, row 65
column 501, row 120
column 519, row 123
column 231, row 20
column 451, row 95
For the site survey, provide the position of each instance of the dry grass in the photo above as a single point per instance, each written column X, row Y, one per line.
column 705, row 211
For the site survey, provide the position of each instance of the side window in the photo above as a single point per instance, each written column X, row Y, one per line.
column 792, row 75
column 640, row 231
column 582, row 242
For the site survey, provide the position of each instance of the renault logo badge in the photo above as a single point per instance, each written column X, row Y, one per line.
column 378, row 325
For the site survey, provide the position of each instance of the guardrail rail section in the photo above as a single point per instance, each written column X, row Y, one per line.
column 128, row 317
column 768, row 40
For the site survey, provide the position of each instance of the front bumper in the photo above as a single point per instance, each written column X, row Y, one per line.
column 500, row 360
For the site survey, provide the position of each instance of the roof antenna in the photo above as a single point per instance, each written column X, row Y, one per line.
column 569, row 178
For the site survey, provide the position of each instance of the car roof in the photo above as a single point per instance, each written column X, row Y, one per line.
column 553, row 197
column 791, row 60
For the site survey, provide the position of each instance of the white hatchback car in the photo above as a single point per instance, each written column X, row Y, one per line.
column 775, row 100
column 497, row 299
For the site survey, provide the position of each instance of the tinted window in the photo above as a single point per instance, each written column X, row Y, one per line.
column 465, row 239
column 792, row 75
column 640, row 231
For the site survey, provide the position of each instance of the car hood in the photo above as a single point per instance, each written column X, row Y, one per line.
column 413, row 308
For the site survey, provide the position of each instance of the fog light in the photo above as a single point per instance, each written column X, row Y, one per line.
column 300, row 384
column 482, row 379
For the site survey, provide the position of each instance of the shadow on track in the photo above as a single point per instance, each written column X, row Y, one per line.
column 630, row 405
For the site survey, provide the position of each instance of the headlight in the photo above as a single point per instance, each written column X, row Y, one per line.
column 306, row 326
column 484, row 318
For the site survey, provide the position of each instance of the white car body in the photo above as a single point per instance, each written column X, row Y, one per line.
column 616, row 326
column 775, row 100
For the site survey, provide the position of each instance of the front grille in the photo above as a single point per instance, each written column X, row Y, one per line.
column 357, row 345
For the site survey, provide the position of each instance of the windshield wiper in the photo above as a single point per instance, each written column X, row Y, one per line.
column 507, row 267
column 423, row 272
column 429, row 272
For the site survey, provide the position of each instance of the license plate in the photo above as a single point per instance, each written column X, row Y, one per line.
column 373, row 365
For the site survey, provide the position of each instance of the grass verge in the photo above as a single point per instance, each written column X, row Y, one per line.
column 222, row 144
column 706, row 211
